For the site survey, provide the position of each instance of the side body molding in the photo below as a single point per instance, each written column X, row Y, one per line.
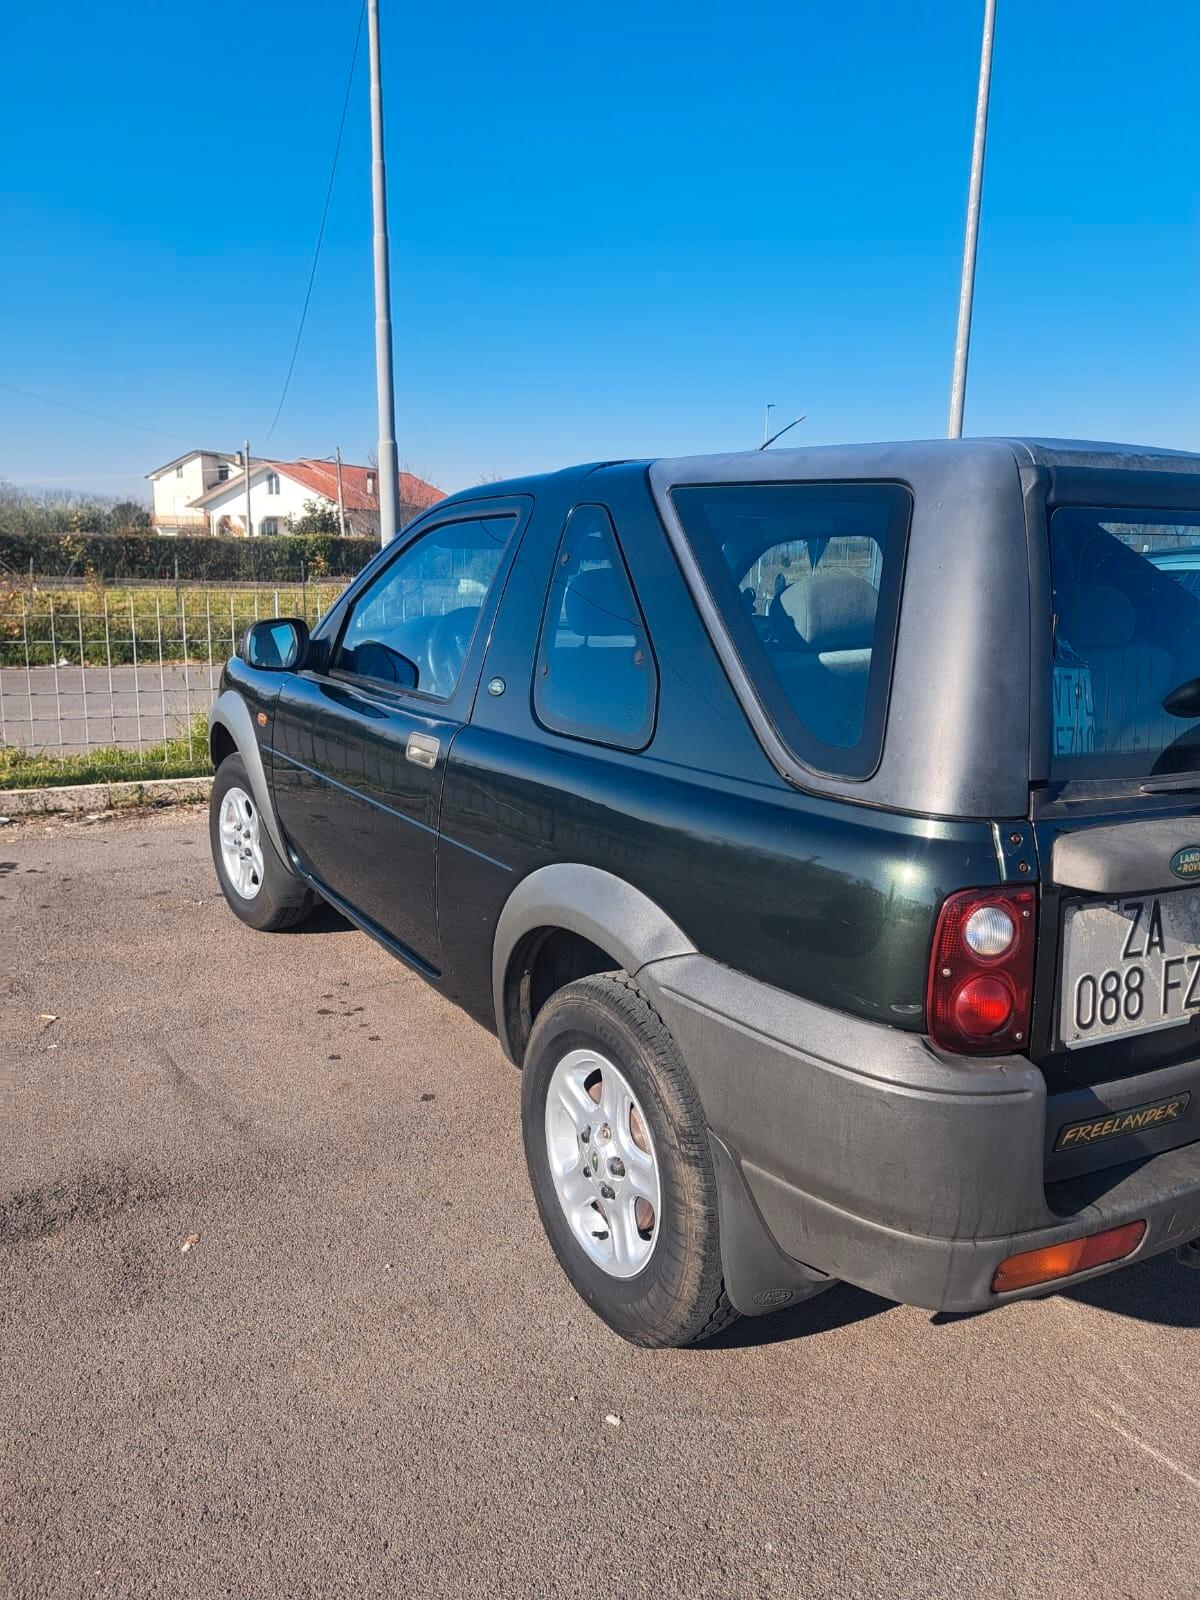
column 231, row 712
column 595, row 904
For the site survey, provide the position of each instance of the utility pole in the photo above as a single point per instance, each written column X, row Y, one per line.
column 389, row 481
column 337, row 456
column 966, row 293
column 246, row 459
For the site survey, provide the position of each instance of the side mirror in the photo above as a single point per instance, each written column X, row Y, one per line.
column 276, row 644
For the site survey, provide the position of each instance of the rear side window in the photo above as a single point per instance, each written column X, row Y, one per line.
column 595, row 676
column 1126, row 676
column 806, row 578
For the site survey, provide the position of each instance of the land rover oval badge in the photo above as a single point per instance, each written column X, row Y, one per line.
column 1185, row 863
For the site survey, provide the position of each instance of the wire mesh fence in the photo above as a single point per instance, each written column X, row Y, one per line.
column 102, row 681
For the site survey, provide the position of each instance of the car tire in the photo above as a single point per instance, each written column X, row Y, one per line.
column 651, row 1271
column 259, row 888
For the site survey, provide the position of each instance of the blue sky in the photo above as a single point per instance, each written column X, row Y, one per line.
column 616, row 230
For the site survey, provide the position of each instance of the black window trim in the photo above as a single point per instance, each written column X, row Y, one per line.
column 790, row 766
column 564, row 732
column 334, row 626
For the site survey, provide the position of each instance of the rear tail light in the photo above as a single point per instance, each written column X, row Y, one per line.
column 980, row 992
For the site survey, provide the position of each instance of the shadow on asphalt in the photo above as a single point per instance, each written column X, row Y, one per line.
column 1159, row 1291
column 324, row 920
column 835, row 1308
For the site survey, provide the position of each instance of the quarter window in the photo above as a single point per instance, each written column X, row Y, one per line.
column 412, row 627
column 806, row 578
column 595, row 677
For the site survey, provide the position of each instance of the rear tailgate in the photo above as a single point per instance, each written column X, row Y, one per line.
column 1117, row 999
column 1116, row 1025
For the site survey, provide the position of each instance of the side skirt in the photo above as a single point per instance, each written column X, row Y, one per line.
column 364, row 924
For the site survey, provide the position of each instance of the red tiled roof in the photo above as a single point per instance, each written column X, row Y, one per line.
column 321, row 476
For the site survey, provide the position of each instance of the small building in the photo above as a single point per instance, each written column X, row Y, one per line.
column 279, row 492
column 183, row 481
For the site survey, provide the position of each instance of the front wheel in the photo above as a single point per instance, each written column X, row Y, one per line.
column 255, row 882
column 618, row 1157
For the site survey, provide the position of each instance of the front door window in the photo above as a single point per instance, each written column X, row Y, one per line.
column 412, row 627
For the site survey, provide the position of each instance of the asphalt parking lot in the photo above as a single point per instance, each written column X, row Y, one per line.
column 366, row 1376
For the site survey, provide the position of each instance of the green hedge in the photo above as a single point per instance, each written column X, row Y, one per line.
column 211, row 559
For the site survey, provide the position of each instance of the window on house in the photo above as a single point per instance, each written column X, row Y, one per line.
column 272, row 483
column 370, row 483
column 222, row 474
column 596, row 677
column 269, row 527
column 179, row 472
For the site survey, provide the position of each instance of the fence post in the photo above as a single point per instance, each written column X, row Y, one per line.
column 162, row 676
column 187, row 682
column 112, row 704
column 28, row 670
column 137, row 687
column 212, row 687
column 87, row 743
column 304, row 588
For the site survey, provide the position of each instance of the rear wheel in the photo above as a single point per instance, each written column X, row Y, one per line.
column 255, row 882
column 618, row 1156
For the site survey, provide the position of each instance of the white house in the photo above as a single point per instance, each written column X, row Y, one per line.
column 182, row 481
column 278, row 490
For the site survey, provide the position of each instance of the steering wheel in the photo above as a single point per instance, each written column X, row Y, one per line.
column 448, row 646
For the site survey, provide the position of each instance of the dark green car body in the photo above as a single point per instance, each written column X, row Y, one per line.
column 779, row 913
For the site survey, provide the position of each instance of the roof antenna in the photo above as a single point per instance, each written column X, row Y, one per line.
column 782, row 431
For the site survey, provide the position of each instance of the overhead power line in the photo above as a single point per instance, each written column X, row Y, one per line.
column 312, row 276
column 82, row 411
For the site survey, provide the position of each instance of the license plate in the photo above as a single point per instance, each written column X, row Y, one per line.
column 1130, row 966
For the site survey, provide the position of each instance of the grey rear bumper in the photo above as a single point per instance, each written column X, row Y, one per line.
column 872, row 1158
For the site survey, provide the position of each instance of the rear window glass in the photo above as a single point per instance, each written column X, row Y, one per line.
column 806, row 578
column 1126, row 678
column 596, row 678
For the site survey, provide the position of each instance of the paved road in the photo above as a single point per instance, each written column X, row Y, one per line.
column 45, row 707
column 367, row 1377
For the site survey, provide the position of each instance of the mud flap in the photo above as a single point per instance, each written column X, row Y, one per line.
column 758, row 1276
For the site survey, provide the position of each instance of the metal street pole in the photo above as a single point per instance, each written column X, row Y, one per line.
column 767, row 422
column 966, row 293
column 389, row 481
column 249, row 524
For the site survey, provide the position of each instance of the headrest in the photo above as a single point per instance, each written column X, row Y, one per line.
column 832, row 611
column 1095, row 617
column 597, row 604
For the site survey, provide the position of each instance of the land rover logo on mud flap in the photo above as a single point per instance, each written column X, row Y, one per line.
column 1185, row 863
column 772, row 1297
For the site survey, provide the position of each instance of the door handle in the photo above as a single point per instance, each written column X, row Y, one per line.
column 422, row 749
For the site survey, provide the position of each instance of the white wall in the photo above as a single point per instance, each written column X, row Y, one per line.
column 175, row 489
column 289, row 502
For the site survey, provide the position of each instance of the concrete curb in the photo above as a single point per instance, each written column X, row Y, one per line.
column 94, row 797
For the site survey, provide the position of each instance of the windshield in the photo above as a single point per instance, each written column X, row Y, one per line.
column 1126, row 642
